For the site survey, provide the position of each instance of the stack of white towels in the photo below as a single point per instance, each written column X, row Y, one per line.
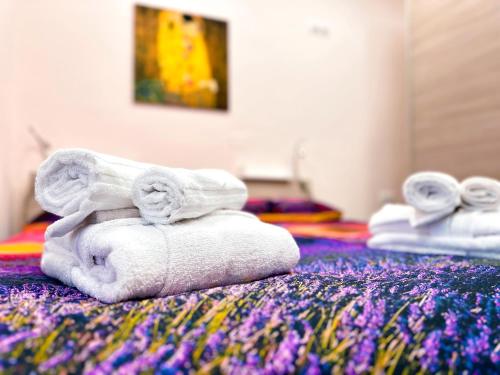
column 133, row 230
column 442, row 216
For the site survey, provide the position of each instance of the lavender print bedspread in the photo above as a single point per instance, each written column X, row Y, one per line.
column 345, row 309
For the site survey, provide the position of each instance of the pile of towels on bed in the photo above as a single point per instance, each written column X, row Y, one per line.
column 133, row 230
column 442, row 216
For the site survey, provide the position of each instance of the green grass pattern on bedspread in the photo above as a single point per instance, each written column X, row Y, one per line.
column 345, row 309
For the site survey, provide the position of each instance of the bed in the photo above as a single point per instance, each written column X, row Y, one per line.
column 344, row 309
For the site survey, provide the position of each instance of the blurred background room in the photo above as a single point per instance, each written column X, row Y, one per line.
column 333, row 101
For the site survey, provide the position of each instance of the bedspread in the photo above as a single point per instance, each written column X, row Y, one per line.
column 344, row 309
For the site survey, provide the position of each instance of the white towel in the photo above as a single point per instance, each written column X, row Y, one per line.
column 480, row 193
column 124, row 259
column 434, row 196
column 392, row 218
column 166, row 195
column 482, row 247
column 76, row 182
column 465, row 232
column 70, row 177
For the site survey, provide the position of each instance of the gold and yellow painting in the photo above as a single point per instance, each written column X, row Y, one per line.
column 180, row 59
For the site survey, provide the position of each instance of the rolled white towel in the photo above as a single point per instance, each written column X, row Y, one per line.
column 125, row 259
column 166, row 195
column 76, row 182
column 480, row 193
column 434, row 195
column 70, row 177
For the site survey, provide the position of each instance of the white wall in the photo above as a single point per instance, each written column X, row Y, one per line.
column 6, row 66
column 342, row 94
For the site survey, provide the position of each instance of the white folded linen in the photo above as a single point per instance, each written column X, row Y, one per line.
column 76, row 182
column 395, row 218
column 166, row 195
column 392, row 218
column 465, row 232
column 482, row 247
column 434, row 196
column 86, row 216
column 480, row 193
column 125, row 259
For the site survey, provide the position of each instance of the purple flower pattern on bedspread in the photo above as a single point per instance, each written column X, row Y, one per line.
column 344, row 309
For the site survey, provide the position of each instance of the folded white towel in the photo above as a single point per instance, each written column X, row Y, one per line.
column 465, row 232
column 76, row 182
column 124, row 259
column 481, row 247
column 392, row 218
column 166, row 195
column 434, row 196
column 480, row 193
column 395, row 218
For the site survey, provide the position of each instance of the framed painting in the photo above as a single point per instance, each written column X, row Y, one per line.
column 180, row 59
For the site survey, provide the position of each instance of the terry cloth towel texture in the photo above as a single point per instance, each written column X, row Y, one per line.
column 434, row 195
column 126, row 259
column 166, row 195
column 480, row 193
column 466, row 233
column 74, row 183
